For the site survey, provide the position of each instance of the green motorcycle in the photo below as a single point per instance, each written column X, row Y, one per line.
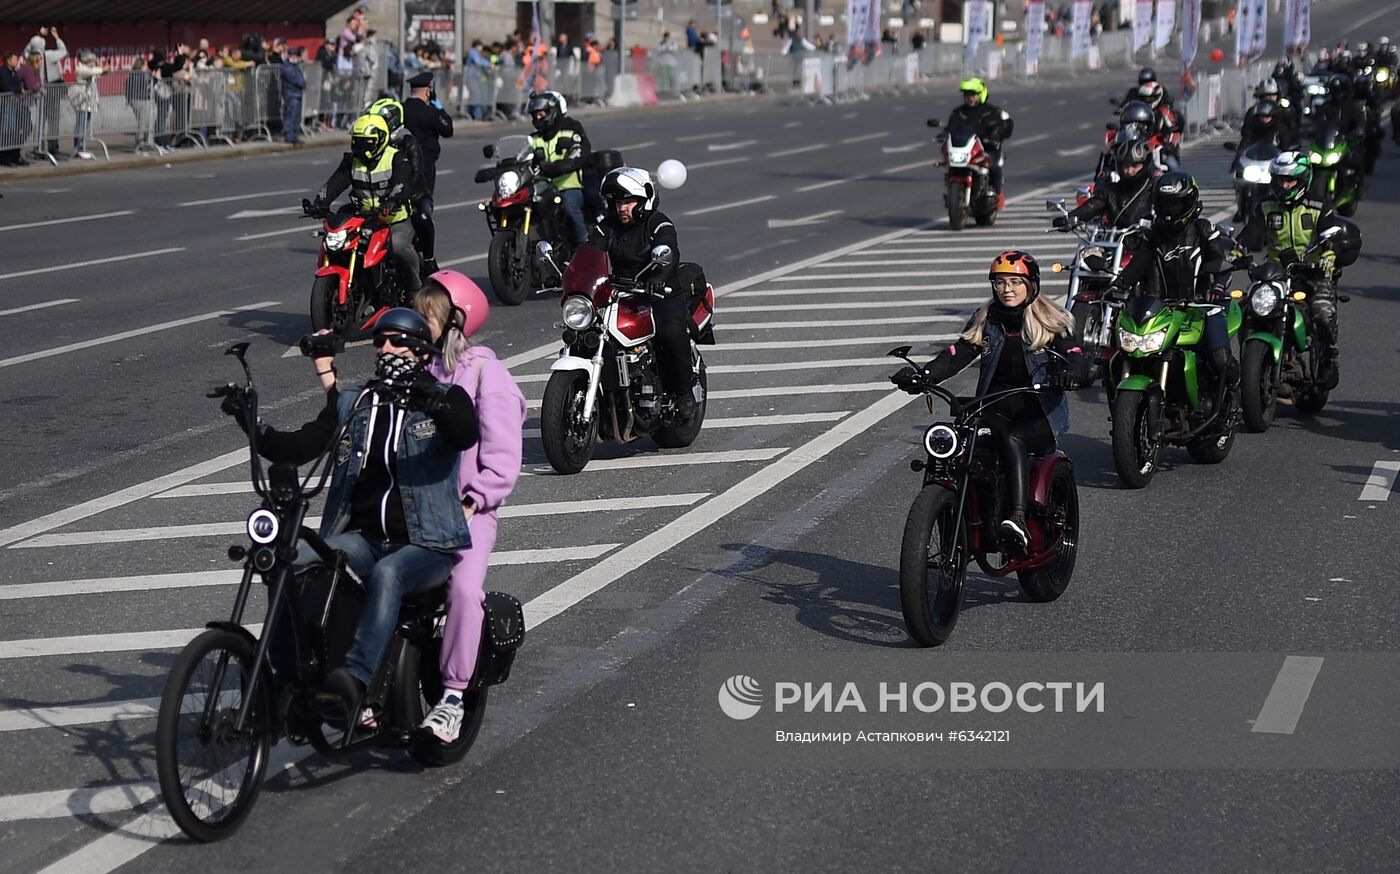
column 1165, row 394
column 1339, row 181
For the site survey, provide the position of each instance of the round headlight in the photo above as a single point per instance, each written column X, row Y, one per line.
column 507, row 183
column 941, row 441
column 578, row 312
column 1264, row 299
column 1255, row 174
column 263, row 526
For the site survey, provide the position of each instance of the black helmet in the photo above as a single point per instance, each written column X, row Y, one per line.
column 1266, row 111
column 1132, row 151
column 1147, row 75
column 1338, row 86
column 1176, row 201
column 1280, row 70
column 410, row 326
column 1135, row 112
column 548, row 103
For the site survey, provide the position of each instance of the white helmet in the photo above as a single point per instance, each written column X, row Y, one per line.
column 628, row 182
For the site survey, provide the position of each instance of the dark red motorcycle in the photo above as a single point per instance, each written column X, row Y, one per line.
column 357, row 274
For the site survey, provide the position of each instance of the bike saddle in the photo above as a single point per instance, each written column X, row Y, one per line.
column 424, row 603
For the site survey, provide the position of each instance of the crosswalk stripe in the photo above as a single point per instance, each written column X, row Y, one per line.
column 688, row 458
column 913, row 319
column 867, row 289
column 856, row 304
column 65, row 803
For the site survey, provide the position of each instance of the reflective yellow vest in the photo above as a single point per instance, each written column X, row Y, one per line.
column 369, row 184
column 557, row 148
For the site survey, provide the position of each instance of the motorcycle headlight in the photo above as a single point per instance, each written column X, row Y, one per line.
column 1257, row 175
column 1090, row 252
column 1144, row 344
column 578, row 312
column 1264, row 298
column 1382, row 76
column 335, row 240
column 507, row 183
column 941, row 441
column 1316, row 157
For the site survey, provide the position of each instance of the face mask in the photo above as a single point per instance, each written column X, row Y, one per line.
column 395, row 369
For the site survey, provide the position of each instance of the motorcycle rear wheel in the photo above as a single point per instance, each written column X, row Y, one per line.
column 200, row 760
column 1134, row 449
column 1045, row 584
column 682, row 434
column 932, row 568
column 568, row 446
column 420, row 677
column 1258, row 387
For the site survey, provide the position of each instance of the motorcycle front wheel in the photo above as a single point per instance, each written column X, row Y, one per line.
column 511, row 284
column 325, row 312
column 1134, row 443
column 932, row 567
column 568, row 442
column 211, row 773
column 957, row 209
column 1259, row 380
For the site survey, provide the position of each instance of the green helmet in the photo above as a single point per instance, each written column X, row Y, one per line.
column 1291, row 165
column 390, row 110
column 976, row 86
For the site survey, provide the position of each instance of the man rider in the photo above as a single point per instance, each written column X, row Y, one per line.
column 392, row 506
column 1167, row 126
column 380, row 178
column 1284, row 111
column 991, row 123
column 1125, row 196
column 631, row 227
column 562, row 148
column 1135, row 93
column 1287, row 224
column 1188, row 256
column 427, row 120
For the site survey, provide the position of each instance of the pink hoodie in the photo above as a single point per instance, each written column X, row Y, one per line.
column 489, row 469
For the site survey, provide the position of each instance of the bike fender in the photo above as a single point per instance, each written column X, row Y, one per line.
column 342, row 276
column 571, row 362
column 1275, row 344
column 235, row 628
column 1043, row 472
column 1136, row 382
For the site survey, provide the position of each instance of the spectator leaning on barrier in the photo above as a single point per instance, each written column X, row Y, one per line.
column 14, row 117
column 50, row 72
column 139, row 84
column 83, row 96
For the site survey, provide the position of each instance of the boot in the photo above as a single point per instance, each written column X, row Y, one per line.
column 1328, row 374
column 430, row 266
column 1001, row 201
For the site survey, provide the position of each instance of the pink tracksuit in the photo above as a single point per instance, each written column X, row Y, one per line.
column 488, row 473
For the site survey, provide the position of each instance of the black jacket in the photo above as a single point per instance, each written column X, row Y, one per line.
column 1121, row 205
column 629, row 246
column 427, row 123
column 1180, row 265
column 1281, row 133
column 991, row 123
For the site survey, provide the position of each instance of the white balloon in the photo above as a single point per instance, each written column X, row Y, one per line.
column 671, row 174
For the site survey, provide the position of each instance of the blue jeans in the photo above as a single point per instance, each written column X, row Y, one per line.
column 573, row 209
column 82, row 123
column 390, row 570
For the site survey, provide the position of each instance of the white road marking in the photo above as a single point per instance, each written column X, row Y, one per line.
column 235, row 197
column 726, row 147
column 736, row 205
column 307, row 228
column 107, row 585
column 793, row 124
column 1288, row 696
column 800, row 150
column 1065, row 153
column 751, row 421
column 841, row 323
column 266, row 213
column 782, row 366
column 479, row 256
column 1027, row 141
column 131, row 256
column 815, row 219
column 838, row 341
column 864, row 289
column 1085, row 125
column 854, row 305
column 1381, row 481
column 721, row 163
column 127, row 335
column 28, row 719
column 636, row 554
column 865, row 137
column 87, row 644
column 38, row 306
column 738, row 456
column 817, row 186
column 907, row 261
column 895, row 150
column 646, row 145
column 698, row 137
column 903, row 168
column 67, row 221
column 882, row 274
column 64, row 803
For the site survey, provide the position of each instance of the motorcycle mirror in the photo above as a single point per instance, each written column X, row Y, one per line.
column 1144, row 223
column 544, row 249
column 1053, row 204
column 483, row 175
column 488, row 150
column 1330, row 233
column 663, row 256
column 900, row 351
column 933, row 122
column 1082, row 191
column 1227, row 228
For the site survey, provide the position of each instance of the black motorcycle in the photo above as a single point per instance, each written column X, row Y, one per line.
column 222, row 710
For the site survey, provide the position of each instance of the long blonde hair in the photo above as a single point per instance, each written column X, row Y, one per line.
column 434, row 303
column 1043, row 321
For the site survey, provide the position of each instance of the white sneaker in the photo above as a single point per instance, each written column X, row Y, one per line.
column 445, row 720
column 86, row 156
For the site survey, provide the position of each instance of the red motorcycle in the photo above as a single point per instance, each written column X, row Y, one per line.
column 357, row 274
column 968, row 182
column 957, row 512
column 605, row 384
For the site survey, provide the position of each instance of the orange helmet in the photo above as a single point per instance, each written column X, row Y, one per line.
column 1014, row 262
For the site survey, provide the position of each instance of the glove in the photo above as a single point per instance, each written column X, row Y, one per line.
column 910, row 380
column 235, row 402
column 656, row 287
column 1060, row 380
column 539, row 156
column 1115, row 293
column 425, row 394
column 1060, row 222
column 1217, row 294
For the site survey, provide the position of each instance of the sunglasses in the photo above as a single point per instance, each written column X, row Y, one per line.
column 399, row 340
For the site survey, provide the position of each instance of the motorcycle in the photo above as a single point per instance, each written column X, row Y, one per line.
column 1314, row 98
column 1332, row 174
column 958, row 510
column 1101, row 256
column 1280, row 358
column 1252, row 176
column 220, row 712
column 523, row 208
column 356, row 272
column 1164, row 394
column 605, row 385
column 968, row 182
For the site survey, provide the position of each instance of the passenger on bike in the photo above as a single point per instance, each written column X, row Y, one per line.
column 1124, row 196
column 392, row 505
column 1023, row 339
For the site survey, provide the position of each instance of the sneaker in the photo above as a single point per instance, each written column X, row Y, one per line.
column 85, row 156
column 1014, row 533
column 445, row 720
column 1001, row 201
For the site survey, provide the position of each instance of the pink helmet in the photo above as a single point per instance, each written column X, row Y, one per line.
column 466, row 296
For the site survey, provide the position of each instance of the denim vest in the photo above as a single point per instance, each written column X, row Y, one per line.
column 1053, row 402
column 426, row 479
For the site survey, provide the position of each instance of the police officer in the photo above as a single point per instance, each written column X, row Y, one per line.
column 562, row 149
column 380, row 179
column 427, row 120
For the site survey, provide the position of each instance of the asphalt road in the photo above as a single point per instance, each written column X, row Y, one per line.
column 777, row 533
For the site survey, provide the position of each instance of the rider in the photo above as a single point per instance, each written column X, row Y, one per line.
column 991, row 123
column 1125, row 196
column 1287, row 224
column 392, row 506
column 401, row 138
column 427, row 120
column 1190, row 259
column 631, row 227
column 1147, row 74
column 380, row 179
column 1015, row 334
column 562, row 149
column 1283, row 111
column 1166, row 124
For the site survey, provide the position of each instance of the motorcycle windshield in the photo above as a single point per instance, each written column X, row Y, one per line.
column 587, row 273
column 1261, row 152
column 512, row 148
column 960, row 136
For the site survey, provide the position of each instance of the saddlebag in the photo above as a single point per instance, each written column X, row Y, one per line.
column 1347, row 244
column 602, row 161
column 505, row 630
column 690, row 281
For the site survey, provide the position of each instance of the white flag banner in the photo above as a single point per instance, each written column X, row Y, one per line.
column 1142, row 23
column 1297, row 26
column 1251, row 30
column 1166, row 23
column 1190, row 31
column 978, row 14
column 1035, row 33
column 1079, row 28
column 858, row 23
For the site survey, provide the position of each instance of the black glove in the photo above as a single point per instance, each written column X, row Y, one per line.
column 1060, row 379
column 539, row 156
column 910, row 380
column 314, row 208
column 425, row 394
column 656, row 286
column 1060, row 222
